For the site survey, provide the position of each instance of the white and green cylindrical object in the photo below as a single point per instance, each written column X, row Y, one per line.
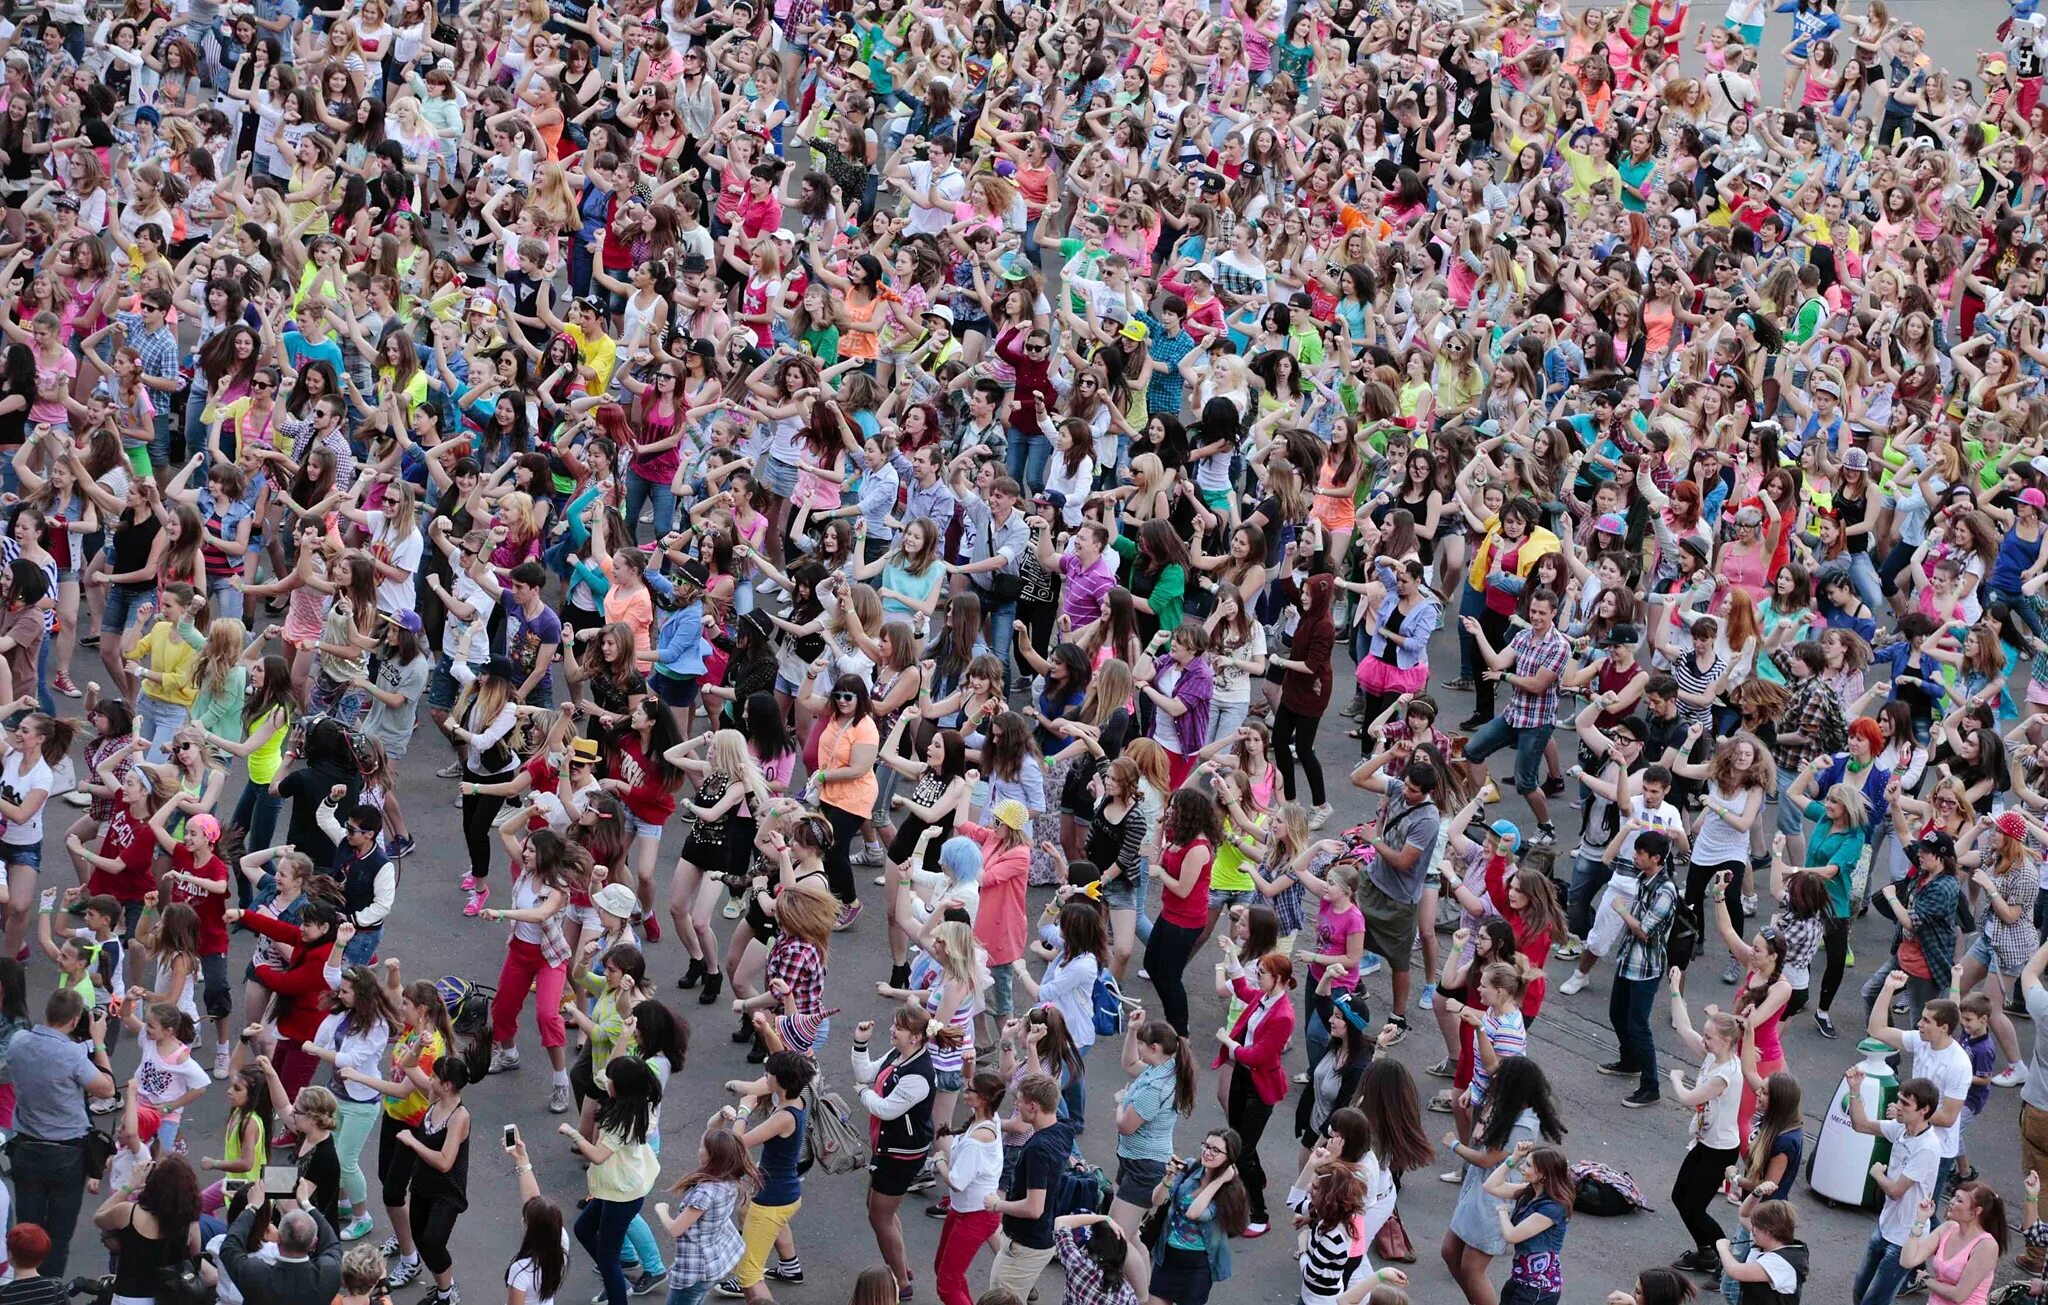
column 1839, row 1169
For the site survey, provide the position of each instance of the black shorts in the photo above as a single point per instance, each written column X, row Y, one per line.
column 890, row 1175
column 905, row 842
column 680, row 693
column 214, row 998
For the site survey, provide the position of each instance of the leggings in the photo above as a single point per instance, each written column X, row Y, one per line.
column 1496, row 626
column 1290, row 729
column 838, row 861
column 256, row 812
column 1249, row 1114
column 358, row 1121
column 1692, row 1192
column 1834, row 943
column 432, row 1215
column 1696, row 881
column 478, row 811
column 1166, row 957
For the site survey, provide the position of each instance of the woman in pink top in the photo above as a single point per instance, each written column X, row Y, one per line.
column 1760, row 1001
column 1963, row 1252
column 1000, row 922
column 628, row 602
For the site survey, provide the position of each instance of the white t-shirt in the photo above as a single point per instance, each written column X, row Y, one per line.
column 1784, row 1278
column 1917, row 1158
column 524, row 1275
column 158, row 1080
column 948, row 188
column 469, row 641
column 1949, row 1070
column 1713, row 1123
column 15, row 786
column 395, row 596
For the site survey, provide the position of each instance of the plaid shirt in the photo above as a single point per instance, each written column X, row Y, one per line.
column 159, row 349
column 797, row 964
column 1645, row 958
column 1815, row 715
column 713, row 1245
column 1086, row 1283
column 1535, row 654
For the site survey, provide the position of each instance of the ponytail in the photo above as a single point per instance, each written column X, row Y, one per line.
column 1158, row 1033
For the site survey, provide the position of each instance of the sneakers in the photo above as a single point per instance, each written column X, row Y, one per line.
column 402, row 1271
column 1441, row 1102
column 1641, row 1097
column 475, row 905
column 62, row 684
column 388, row 1248
column 358, row 1228
column 403, row 847
column 1749, row 905
column 559, row 1099
column 453, row 770
column 1318, row 816
column 1615, row 1069
column 1731, row 973
column 870, row 854
column 1827, row 1025
column 1444, row 1068
column 790, row 1270
column 730, row 1289
column 1554, row 786
column 1368, row 964
column 1301, row 1078
column 468, row 883
column 939, row 1209
column 1428, row 998
column 847, row 915
column 731, row 910
column 1254, row 1231
column 502, row 1059
column 78, row 797
column 1489, row 793
column 1574, row 984
column 110, row 1106
column 220, row 1062
column 450, row 1295
column 647, row 1282
column 1698, row 1260
column 1573, row 949
column 1399, row 1025
column 1849, row 958
column 1471, row 723
column 1545, row 836
column 652, row 931
column 2014, row 1075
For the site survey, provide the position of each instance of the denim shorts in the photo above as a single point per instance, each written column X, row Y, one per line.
column 642, row 828
column 948, row 1080
column 779, row 477
column 1222, row 899
column 122, row 603
column 1135, row 1180
column 28, row 854
column 1987, row 956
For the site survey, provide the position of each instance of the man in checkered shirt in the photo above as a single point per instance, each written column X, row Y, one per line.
column 1531, row 664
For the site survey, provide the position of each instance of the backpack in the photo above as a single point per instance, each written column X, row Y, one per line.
column 469, row 1011
column 1604, row 1192
column 1081, row 1189
column 830, row 1139
column 1108, row 1002
column 180, row 1284
column 353, row 745
column 1682, row 944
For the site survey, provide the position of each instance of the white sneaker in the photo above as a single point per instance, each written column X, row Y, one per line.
column 220, row 1062
column 502, row 1059
column 1319, row 816
column 2015, row 1075
column 1575, row 984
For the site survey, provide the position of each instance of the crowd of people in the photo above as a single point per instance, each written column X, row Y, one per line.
column 949, row 445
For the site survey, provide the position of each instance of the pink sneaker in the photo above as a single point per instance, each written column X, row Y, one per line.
column 469, row 883
column 477, row 899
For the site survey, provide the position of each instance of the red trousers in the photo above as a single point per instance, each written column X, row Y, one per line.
column 960, row 1240
column 524, row 966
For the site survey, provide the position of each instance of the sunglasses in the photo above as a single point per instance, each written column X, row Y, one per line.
column 845, row 697
column 262, row 385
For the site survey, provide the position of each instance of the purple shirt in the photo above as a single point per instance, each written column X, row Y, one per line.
column 1086, row 587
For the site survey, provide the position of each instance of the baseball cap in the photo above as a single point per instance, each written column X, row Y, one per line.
column 1827, row 385
column 407, row 621
column 940, row 311
column 1622, row 636
column 1611, row 523
column 1203, row 270
column 1134, row 330
column 2033, row 497
column 1508, row 830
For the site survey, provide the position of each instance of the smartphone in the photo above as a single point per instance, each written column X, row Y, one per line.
column 511, row 1134
column 280, row 1180
column 233, row 1187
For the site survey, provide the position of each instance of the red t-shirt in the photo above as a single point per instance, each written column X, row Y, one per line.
column 648, row 801
column 1192, row 910
column 129, row 840
column 212, row 907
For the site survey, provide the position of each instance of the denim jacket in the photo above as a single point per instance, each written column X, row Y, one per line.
column 1409, row 648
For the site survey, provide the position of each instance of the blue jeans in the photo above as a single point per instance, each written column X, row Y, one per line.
column 256, row 811
column 222, row 598
column 638, row 490
column 1739, row 1244
column 1791, row 820
column 1027, row 458
column 1628, row 1011
column 160, row 438
column 601, row 1231
column 693, row 1294
column 361, row 949
column 2021, row 608
column 1878, row 1279
column 49, row 1187
column 1589, row 880
column 1000, row 612
column 580, row 263
column 45, row 702
column 156, row 722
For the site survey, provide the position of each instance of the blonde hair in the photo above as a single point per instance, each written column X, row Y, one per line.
column 223, row 652
column 318, row 1104
column 808, row 910
column 731, row 758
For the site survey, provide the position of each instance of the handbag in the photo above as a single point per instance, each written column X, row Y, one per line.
column 1153, row 1226
column 1391, row 1241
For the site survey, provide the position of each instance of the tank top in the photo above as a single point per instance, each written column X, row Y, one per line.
column 780, row 1182
column 1949, row 1268
column 142, row 1260
column 452, row 1186
column 1192, row 910
column 962, row 1019
column 1769, row 1050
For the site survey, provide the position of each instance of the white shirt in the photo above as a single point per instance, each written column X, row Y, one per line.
column 1917, row 1158
column 948, row 188
column 524, row 1275
column 16, row 784
column 1949, row 1070
column 1784, row 1278
column 467, row 641
column 1714, row 1123
column 395, row 596
column 974, row 1168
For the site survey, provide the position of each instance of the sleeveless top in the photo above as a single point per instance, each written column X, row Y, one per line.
column 142, row 1259
column 1949, row 1268
column 780, row 1156
column 452, row 1186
